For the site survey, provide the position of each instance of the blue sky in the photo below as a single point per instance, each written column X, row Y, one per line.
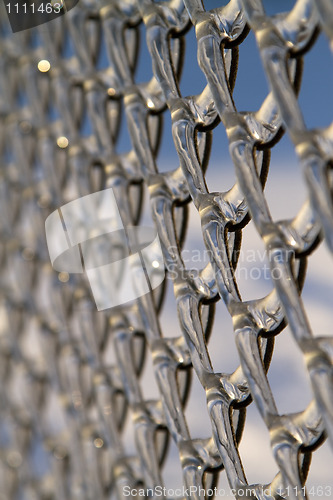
column 315, row 98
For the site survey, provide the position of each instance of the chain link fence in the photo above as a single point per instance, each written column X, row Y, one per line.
column 72, row 396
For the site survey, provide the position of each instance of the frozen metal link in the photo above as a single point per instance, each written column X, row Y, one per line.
column 71, row 376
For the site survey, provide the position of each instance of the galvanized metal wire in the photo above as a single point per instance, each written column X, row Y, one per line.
column 63, row 401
